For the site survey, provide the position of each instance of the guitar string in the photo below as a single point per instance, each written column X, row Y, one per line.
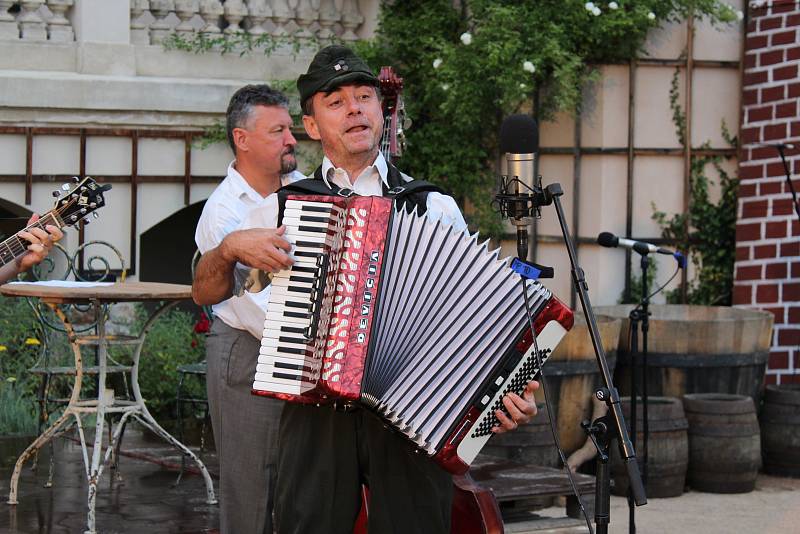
column 16, row 246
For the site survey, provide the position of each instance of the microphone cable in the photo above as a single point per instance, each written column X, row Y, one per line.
column 550, row 414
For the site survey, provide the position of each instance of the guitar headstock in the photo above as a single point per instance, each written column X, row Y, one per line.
column 80, row 200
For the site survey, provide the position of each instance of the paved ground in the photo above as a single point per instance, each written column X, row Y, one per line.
column 146, row 501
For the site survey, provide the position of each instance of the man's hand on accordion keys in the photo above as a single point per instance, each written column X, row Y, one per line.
column 521, row 409
column 260, row 248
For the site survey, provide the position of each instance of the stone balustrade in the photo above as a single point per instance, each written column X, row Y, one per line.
column 151, row 21
column 36, row 20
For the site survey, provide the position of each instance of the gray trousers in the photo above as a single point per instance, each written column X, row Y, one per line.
column 245, row 432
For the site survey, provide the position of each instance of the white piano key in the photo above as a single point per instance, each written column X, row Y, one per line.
column 292, row 389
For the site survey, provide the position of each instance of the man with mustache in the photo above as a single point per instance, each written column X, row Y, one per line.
column 327, row 452
column 245, row 427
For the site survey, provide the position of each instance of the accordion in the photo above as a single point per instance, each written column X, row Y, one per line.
column 404, row 316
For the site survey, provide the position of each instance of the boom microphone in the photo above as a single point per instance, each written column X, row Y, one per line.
column 607, row 239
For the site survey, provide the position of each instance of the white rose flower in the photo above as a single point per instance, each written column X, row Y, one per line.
column 437, row 63
column 528, row 66
column 651, row 16
column 613, row 5
column 523, row 86
column 596, row 11
column 445, row 86
column 589, row 6
column 466, row 38
column 739, row 15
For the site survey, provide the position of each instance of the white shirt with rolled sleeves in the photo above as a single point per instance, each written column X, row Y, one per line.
column 224, row 212
column 440, row 207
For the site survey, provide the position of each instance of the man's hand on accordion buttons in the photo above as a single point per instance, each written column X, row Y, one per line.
column 260, row 248
column 521, row 409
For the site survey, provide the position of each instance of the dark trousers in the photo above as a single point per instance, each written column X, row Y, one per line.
column 245, row 432
column 325, row 455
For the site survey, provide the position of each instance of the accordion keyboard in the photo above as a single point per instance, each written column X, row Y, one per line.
column 288, row 360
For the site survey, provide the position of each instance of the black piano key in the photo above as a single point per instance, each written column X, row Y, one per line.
column 288, row 377
column 299, row 289
column 310, row 218
column 307, row 254
column 301, row 279
column 296, row 315
column 302, row 269
column 309, row 244
column 316, row 229
column 317, row 209
column 291, row 350
column 293, row 329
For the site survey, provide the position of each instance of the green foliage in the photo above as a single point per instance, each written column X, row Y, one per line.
column 634, row 296
column 468, row 64
column 708, row 231
column 18, row 332
column 465, row 69
column 171, row 342
column 241, row 43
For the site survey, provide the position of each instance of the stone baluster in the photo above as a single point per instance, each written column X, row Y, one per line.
column 281, row 14
column 235, row 12
column 259, row 12
column 351, row 19
column 305, row 17
column 8, row 24
column 160, row 28
column 59, row 29
column 328, row 16
column 140, row 35
column 186, row 10
column 33, row 27
column 211, row 11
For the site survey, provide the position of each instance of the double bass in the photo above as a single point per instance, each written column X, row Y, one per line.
column 475, row 509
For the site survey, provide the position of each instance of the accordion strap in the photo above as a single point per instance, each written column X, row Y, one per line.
column 411, row 193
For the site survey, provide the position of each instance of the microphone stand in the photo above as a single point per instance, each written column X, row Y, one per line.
column 603, row 430
column 639, row 316
column 789, row 179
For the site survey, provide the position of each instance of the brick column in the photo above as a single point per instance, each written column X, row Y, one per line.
column 767, row 230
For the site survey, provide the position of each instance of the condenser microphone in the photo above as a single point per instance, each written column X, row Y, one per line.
column 519, row 187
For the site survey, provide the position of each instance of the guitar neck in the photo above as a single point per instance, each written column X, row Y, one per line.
column 15, row 246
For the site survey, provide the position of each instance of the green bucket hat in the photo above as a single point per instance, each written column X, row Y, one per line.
column 332, row 67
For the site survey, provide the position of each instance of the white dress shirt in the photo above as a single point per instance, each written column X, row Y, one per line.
column 265, row 215
column 223, row 213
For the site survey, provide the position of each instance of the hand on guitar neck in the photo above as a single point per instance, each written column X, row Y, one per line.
column 39, row 242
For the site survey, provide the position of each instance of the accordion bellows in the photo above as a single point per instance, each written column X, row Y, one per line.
column 404, row 315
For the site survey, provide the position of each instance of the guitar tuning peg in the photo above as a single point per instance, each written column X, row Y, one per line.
column 65, row 187
column 83, row 211
column 56, row 193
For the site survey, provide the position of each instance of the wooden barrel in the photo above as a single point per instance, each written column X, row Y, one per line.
column 531, row 443
column 667, row 448
column 572, row 376
column 724, row 442
column 780, row 430
column 698, row 349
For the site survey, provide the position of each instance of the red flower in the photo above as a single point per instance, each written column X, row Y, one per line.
column 203, row 325
column 194, row 343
